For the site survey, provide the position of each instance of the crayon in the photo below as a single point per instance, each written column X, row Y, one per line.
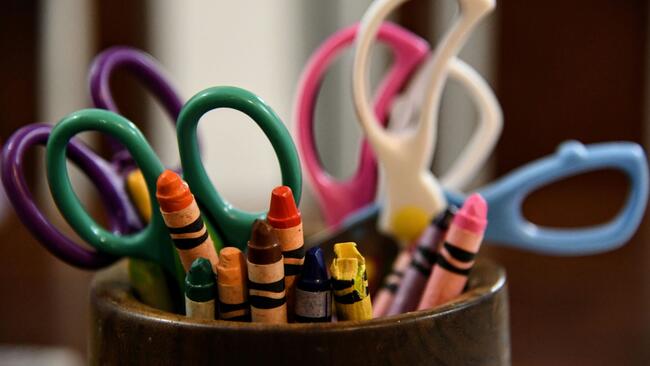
column 419, row 269
column 266, row 293
column 386, row 293
column 313, row 292
column 183, row 219
column 139, row 193
column 285, row 219
column 231, row 285
column 350, row 283
column 456, row 257
column 200, row 290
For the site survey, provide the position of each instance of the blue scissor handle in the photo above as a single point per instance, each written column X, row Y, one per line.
column 507, row 225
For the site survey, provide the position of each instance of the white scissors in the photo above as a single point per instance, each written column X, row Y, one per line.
column 413, row 194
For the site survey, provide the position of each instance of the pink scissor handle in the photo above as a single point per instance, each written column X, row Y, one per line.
column 338, row 198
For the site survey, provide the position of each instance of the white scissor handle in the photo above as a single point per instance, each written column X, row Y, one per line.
column 413, row 193
column 404, row 112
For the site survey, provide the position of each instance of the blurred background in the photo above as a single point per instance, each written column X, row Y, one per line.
column 562, row 70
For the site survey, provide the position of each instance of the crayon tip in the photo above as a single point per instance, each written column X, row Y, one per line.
column 472, row 216
column 200, row 282
column 283, row 212
column 314, row 272
column 229, row 257
column 263, row 246
column 172, row 192
column 232, row 265
column 443, row 220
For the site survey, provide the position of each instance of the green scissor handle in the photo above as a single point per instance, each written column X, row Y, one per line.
column 153, row 242
column 233, row 225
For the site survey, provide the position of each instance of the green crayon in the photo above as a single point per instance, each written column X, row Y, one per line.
column 200, row 290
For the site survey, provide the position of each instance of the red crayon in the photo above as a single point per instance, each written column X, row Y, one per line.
column 285, row 219
column 456, row 256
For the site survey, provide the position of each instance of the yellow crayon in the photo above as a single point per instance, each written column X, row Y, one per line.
column 147, row 278
column 350, row 283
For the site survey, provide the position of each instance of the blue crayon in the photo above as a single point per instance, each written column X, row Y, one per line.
column 313, row 291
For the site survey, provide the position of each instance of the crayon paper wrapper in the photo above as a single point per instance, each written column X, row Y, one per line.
column 313, row 304
column 199, row 310
column 361, row 310
column 272, row 316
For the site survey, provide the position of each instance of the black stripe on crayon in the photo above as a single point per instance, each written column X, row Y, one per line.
column 306, row 319
column 190, row 243
column 226, row 308
column 195, row 226
column 292, row 269
column 428, row 255
column 277, row 286
column 459, row 254
column 390, row 287
column 444, row 219
column 442, row 262
column 423, row 269
column 349, row 298
column 298, row 253
column 261, row 302
column 342, row 284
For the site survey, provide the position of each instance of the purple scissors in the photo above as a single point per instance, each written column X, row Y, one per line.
column 339, row 198
column 108, row 176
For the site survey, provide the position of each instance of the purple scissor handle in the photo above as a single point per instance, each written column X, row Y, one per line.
column 339, row 198
column 147, row 70
column 108, row 176
column 96, row 169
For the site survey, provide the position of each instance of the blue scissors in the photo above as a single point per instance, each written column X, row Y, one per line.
column 153, row 242
column 508, row 227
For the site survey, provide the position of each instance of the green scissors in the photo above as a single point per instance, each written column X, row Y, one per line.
column 153, row 242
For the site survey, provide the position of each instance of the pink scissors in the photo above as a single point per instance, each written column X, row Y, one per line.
column 339, row 198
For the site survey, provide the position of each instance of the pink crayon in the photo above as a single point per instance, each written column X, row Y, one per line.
column 456, row 257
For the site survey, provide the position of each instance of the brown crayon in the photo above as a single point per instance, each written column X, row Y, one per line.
column 183, row 219
column 231, row 283
column 285, row 219
column 266, row 291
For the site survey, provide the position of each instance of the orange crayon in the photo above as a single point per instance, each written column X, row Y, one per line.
column 231, row 283
column 285, row 219
column 183, row 219
column 456, row 257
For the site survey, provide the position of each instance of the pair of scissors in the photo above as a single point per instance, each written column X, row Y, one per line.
column 413, row 194
column 153, row 243
column 338, row 198
column 406, row 158
column 107, row 175
column 508, row 227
